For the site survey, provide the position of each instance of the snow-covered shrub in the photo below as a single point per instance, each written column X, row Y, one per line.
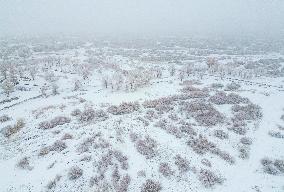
column 189, row 88
column 246, row 140
column 9, row 130
column 75, row 172
column 144, row 121
column 223, row 155
column 201, row 145
column 60, row 120
column 57, row 146
column 151, row 186
column 4, row 118
column 187, row 129
column 272, row 167
column 120, row 183
column 203, row 113
column 206, row 162
column 247, row 112
column 221, row 134
column 94, row 142
column 151, row 115
column 165, row 169
column 164, row 104
column 199, row 94
column 122, row 159
column 76, row 112
column 238, row 127
column 182, row 163
column 52, row 184
column 147, row 147
column 279, row 164
column 244, row 152
column 67, row 136
column 232, row 87
column 124, row 108
column 217, row 85
column 276, row 134
column 208, row 178
column 173, row 117
column 141, row 173
column 100, row 115
column 24, row 163
column 221, row 98
column 86, row 158
column 133, row 137
column 87, row 115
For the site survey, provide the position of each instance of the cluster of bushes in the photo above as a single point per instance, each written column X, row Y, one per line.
column 238, row 126
column 144, row 121
column 223, row 155
column 117, row 182
column 221, row 98
column 244, row 148
column 10, row 130
column 247, row 112
column 171, row 129
column 193, row 92
column 60, row 120
column 67, row 136
column 164, row 104
column 147, row 147
column 57, row 146
column 120, row 182
column 187, row 129
column 206, row 162
column 151, row 186
column 246, row 141
column 217, row 85
column 244, row 152
column 151, row 115
column 75, row 172
column 124, row 108
column 199, row 94
column 189, row 88
column 165, row 169
column 203, row 113
column 109, row 158
column 201, row 145
column 95, row 142
column 221, row 134
column 209, row 179
column 276, row 134
column 24, row 163
column 52, row 184
column 232, row 87
column 182, row 163
column 273, row 167
column 90, row 114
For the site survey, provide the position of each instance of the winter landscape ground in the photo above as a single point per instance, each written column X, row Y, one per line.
column 149, row 115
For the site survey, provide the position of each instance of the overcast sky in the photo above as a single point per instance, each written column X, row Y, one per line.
column 142, row 17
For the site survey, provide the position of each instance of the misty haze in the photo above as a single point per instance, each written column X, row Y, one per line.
column 141, row 96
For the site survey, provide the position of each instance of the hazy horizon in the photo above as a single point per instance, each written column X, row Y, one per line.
column 142, row 18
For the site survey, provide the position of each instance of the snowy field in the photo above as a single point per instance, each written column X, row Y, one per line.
column 169, row 115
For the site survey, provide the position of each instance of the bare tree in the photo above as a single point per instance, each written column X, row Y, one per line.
column 8, row 87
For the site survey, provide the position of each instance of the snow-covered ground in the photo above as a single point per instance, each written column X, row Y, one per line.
column 121, row 119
